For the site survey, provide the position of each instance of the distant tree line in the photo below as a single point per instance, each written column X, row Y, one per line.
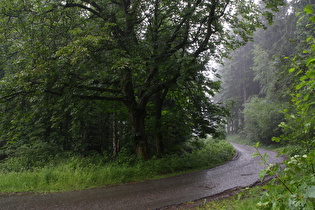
column 257, row 84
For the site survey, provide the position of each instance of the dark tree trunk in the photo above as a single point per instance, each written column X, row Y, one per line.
column 158, row 135
column 137, row 117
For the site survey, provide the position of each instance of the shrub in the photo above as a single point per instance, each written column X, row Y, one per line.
column 293, row 187
column 262, row 118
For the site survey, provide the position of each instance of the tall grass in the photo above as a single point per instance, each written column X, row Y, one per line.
column 80, row 173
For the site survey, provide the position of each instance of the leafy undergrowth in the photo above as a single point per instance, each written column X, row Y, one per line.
column 80, row 173
column 245, row 200
column 251, row 199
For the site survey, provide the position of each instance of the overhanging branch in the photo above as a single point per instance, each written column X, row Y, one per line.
column 104, row 98
column 13, row 95
column 69, row 5
column 94, row 4
column 99, row 89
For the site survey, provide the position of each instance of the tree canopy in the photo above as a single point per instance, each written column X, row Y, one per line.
column 75, row 71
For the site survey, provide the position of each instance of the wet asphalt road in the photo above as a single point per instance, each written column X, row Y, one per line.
column 240, row 172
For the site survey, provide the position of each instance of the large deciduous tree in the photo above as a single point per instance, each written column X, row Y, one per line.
column 116, row 50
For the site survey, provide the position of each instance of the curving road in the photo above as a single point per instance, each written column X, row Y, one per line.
column 240, row 172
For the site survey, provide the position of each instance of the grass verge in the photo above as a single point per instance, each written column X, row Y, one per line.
column 245, row 200
column 81, row 173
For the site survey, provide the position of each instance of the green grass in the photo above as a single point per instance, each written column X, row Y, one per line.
column 81, row 173
column 245, row 200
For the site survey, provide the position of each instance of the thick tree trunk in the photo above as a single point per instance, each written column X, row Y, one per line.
column 137, row 114
column 137, row 117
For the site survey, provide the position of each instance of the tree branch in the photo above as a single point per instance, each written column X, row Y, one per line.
column 100, row 89
column 210, row 23
column 69, row 5
column 159, row 87
column 186, row 16
column 104, row 98
column 94, row 4
column 13, row 95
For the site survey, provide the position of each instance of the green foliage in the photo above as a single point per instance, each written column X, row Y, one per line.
column 244, row 200
column 74, row 172
column 259, row 69
column 29, row 156
column 261, row 119
column 300, row 122
column 293, row 187
column 308, row 9
column 237, row 86
column 58, row 58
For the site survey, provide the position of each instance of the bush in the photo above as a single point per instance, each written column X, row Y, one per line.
column 262, row 118
column 293, row 187
column 28, row 157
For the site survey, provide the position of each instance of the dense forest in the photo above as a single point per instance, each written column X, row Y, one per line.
column 101, row 76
